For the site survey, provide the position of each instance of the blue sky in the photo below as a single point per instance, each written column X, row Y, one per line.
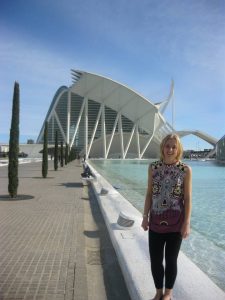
column 140, row 43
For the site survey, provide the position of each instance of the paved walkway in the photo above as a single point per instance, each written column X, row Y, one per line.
column 53, row 240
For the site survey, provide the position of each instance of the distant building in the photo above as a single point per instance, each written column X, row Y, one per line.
column 30, row 141
column 25, row 150
column 4, row 148
column 220, row 150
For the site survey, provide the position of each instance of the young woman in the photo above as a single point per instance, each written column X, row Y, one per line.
column 167, row 213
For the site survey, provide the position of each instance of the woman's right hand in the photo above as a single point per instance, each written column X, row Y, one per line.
column 145, row 223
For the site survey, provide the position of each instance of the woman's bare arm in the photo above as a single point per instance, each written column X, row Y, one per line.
column 148, row 201
column 185, row 231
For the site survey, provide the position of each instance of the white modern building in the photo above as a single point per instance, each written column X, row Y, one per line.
column 102, row 118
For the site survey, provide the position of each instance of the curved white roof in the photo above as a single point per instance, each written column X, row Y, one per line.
column 119, row 98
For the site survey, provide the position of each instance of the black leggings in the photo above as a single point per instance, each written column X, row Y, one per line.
column 172, row 242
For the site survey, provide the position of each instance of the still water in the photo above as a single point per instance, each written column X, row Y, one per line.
column 206, row 244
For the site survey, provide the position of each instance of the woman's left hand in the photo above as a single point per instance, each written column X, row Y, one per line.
column 185, row 230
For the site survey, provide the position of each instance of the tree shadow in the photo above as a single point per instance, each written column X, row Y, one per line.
column 85, row 198
column 39, row 177
column 72, row 184
column 17, row 198
column 31, row 177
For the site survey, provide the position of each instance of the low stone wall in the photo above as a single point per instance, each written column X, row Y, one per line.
column 131, row 246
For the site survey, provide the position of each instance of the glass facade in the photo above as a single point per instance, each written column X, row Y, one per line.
column 220, row 150
column 58, row 121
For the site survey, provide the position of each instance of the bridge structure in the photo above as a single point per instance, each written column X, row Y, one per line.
column 204, row 136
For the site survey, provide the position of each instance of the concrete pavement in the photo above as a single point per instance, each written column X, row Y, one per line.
column 53, row 240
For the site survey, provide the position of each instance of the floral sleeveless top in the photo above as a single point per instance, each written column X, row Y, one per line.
column 167, row 210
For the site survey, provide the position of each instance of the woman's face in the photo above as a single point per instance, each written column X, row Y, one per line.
column 170, row 150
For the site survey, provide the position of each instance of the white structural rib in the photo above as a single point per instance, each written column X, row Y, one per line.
column 53, row 125
column 121, row 135
column 78, row 123
column 112, row 134
column 149, row 140
column 86, row 126
column 94, row 131
column 103, row 131
column 51, row 114
column 163, row 104
column 138, row 141
column 130, row 139
column 68, row 117
column 60, row 126
column 55, row 104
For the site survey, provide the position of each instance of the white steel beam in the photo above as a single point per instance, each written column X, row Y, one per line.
column 55, row 104
column 53, row 127
column 51, row 114
column 60, row 126
column 103, row 131
column 137, row 140
column 86, row 126
column 112, row 134
column 94, row 131
column 150, row 138
column 68, row 117
column 130, row 139
column 78, row 123
column 121, row 135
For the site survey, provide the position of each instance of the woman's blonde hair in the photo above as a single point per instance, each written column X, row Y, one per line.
column 172, row 136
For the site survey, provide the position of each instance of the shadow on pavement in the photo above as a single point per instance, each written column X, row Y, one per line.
column 72, row 184
column 114, row 282
column 17, row 198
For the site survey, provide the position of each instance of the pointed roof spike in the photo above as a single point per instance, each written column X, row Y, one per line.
column 163, row 104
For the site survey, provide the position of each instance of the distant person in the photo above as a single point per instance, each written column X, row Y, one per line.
column 167, row 213
column 86, row 171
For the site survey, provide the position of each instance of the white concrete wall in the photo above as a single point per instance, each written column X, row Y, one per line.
column 131, row 246
column 33, row 150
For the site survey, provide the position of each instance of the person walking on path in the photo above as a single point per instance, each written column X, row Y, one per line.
column 167, row 213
